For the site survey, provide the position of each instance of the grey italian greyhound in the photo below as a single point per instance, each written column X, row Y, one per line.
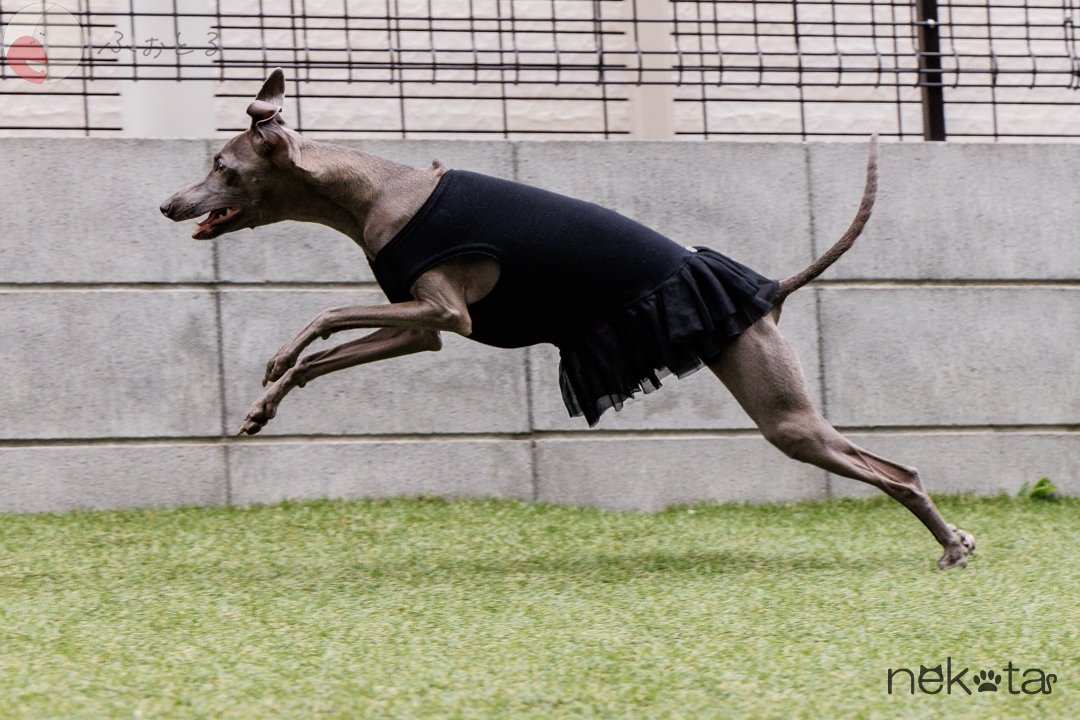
column 270, row 173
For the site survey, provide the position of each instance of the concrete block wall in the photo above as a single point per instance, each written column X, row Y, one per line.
column 948, row 338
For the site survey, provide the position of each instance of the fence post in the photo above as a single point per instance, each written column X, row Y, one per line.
column 652, row 99
column 930, row 75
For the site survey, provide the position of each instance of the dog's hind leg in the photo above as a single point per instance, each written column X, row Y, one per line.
column 763, row 373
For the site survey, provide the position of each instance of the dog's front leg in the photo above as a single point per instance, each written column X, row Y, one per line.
column 415, row 314
column 382, row 344
column 442, row 296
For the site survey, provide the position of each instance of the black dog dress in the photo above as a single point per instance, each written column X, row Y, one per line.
column 624, row 304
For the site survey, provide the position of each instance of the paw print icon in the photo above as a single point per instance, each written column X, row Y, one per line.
column 988, row 681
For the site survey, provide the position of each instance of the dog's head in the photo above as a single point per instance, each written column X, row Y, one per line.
column 250, row 180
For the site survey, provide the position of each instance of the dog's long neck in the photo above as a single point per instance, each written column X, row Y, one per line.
column 366, row 197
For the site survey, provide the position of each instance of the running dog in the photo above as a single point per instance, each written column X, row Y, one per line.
column 509, row 265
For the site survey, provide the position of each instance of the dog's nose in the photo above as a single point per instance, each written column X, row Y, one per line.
column 166, row 207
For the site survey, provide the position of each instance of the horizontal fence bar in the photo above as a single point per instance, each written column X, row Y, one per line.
column 585, row 65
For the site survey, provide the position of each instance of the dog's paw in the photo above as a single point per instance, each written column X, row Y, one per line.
column 278, row 366
column 257, row 417
column 956, row 554
column 249, row 427
column 265, row 408
column 966, row 539
column 953, row 557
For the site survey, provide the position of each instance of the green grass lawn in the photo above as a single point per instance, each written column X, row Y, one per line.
column 425, row 608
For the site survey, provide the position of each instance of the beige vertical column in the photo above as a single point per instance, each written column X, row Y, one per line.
column 652, row 106
column 156, row 104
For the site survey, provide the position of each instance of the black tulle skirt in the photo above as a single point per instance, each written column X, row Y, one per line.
column 684, row 323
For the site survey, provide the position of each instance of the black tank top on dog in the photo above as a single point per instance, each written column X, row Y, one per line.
column 624, row 304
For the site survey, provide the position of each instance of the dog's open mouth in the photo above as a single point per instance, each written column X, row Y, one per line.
column 208, row 227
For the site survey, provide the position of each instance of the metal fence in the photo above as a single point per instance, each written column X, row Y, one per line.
column 700, row 69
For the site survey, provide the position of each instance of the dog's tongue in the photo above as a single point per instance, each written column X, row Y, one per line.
column 206, row 224
column 203, row 227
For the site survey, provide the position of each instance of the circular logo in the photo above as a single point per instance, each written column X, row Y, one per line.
column 43, row 43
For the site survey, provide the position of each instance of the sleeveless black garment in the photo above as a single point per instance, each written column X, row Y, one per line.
column 624, row 304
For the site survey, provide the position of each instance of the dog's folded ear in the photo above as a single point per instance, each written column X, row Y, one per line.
column 263, row 112
column 270, row 101
column 267, row 126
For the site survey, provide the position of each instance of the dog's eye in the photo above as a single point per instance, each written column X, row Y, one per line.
column 218, row 165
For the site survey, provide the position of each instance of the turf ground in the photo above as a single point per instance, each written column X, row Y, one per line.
column 425, row 608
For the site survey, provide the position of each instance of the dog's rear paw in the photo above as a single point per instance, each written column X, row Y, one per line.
column 956, row 554
column 953, row 557
column 966, row 539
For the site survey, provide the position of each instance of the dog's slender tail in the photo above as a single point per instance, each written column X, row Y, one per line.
column 846, row 240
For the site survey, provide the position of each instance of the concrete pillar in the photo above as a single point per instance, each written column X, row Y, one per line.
column 157, row 49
